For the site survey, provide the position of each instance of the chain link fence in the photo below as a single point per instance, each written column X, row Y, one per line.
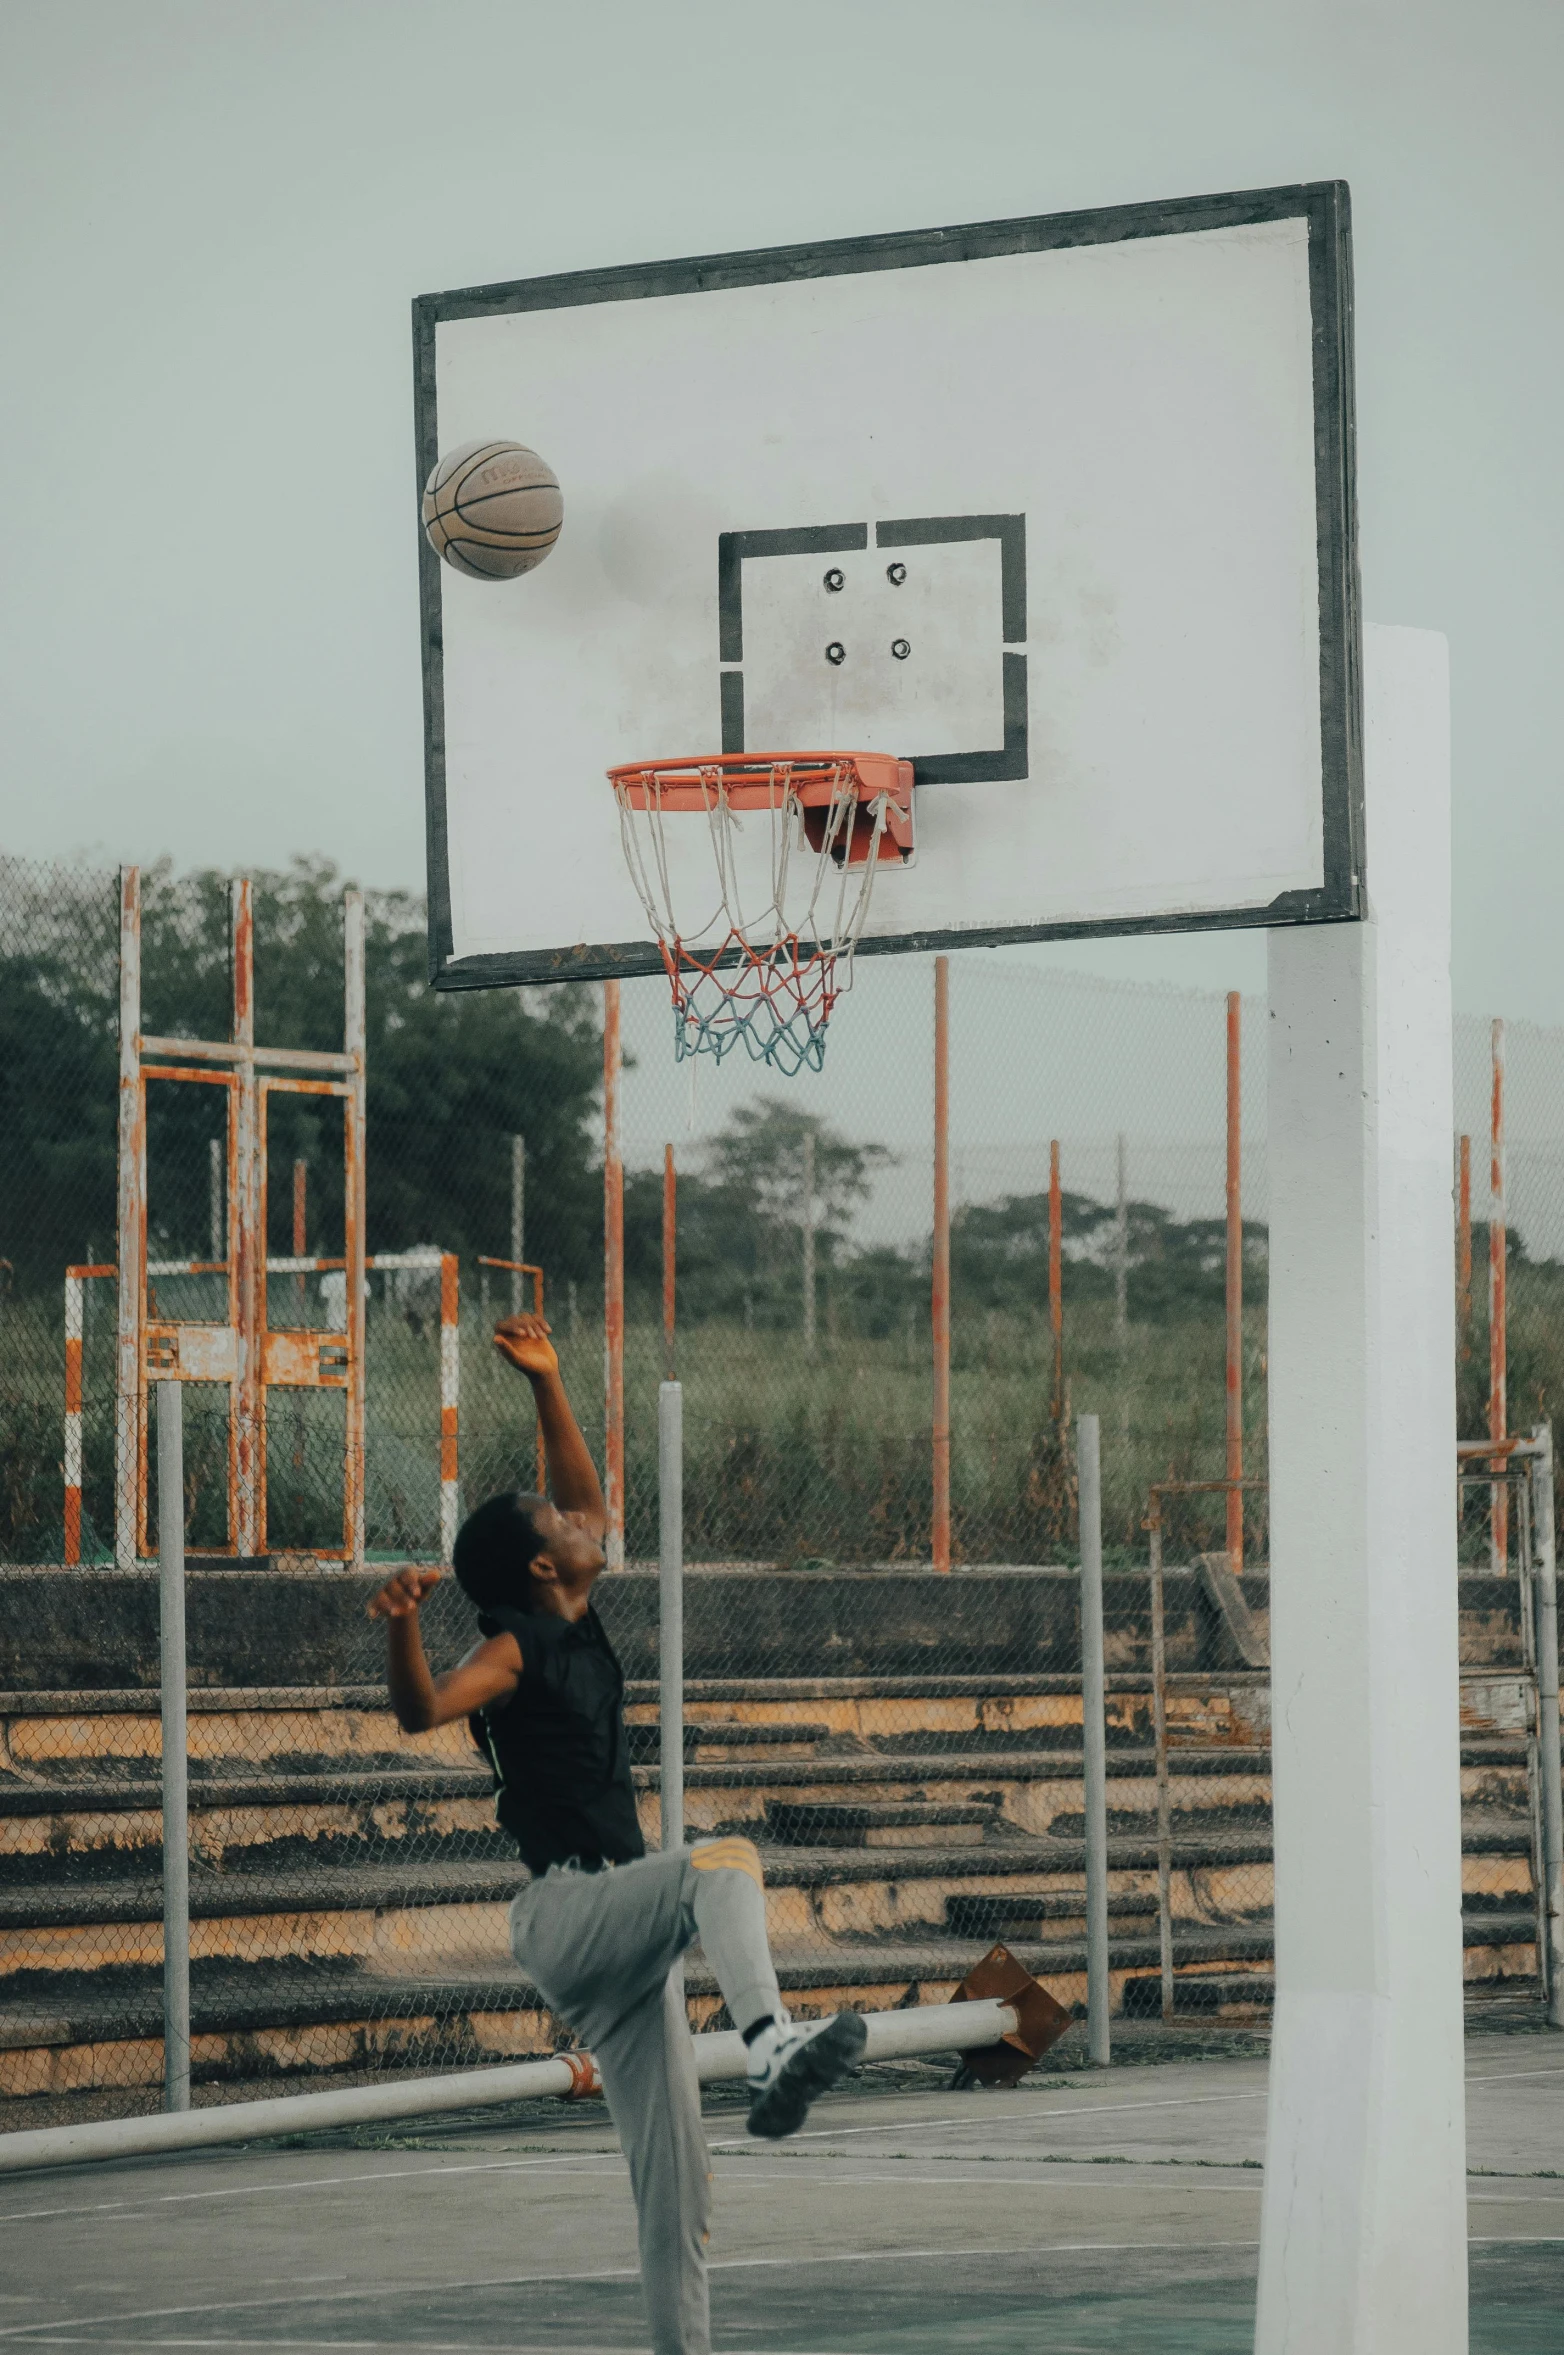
column 906, row 1747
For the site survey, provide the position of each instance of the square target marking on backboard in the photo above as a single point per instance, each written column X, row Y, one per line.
column 904, row 636
column 1114, row 452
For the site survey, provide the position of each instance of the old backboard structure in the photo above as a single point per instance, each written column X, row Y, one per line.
column 1059, row 510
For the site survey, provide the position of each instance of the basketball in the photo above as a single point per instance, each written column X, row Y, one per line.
column 492, row 510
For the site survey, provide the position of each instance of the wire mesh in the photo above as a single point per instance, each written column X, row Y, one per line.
column 905, row 1747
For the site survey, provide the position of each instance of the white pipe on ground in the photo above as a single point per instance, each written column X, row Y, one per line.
column 935, row 2027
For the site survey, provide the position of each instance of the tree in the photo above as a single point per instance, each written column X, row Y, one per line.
column 450, row 1077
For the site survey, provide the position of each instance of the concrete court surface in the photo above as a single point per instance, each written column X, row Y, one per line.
column 1081, row 2212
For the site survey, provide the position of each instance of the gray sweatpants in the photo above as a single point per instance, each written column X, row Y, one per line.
column 601, row 1946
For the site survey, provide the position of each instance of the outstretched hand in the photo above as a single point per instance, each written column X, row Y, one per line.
column 524, row 1342
column 401, row 1595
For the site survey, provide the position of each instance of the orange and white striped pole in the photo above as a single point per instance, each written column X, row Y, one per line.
column 450, row 1397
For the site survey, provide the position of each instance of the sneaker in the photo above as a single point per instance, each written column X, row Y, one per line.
column 791, row 2066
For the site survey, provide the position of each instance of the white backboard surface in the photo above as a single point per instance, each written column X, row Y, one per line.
column 1108, row 458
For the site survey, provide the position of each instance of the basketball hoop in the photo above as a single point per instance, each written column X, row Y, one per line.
column 796, row 839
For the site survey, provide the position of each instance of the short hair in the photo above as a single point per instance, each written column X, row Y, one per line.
column 494, row 1551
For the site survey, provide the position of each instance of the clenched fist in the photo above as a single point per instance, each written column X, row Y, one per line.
column 401, row 1595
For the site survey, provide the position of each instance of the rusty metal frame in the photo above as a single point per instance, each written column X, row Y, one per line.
column 188, row 1349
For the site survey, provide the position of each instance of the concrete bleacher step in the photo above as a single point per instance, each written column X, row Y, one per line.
column 349, row 1890
column 899, row 1824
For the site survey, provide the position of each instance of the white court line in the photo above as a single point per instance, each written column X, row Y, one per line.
column 505, row 2281
column 730, row 2142
column 1198, row 2101
column 249, row 2191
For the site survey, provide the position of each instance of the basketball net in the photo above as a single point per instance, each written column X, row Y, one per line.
column 766, row 974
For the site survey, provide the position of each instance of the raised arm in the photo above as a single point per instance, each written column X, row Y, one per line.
column 572, row 1475
column 421, row 1700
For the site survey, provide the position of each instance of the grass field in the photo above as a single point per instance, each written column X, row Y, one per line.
column 788, row 1458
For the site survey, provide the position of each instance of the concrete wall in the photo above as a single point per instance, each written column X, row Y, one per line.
column 96, row 1630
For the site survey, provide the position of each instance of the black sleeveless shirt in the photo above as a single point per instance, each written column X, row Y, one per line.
column 558, row 1746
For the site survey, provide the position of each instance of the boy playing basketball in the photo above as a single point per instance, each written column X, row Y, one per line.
column 600, row 1924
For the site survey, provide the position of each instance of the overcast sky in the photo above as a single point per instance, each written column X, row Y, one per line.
column 215, row 216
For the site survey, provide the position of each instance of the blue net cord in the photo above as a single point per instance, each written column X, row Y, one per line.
column 776, row 1006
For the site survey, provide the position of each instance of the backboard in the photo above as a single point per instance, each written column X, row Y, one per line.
column 1059, row 509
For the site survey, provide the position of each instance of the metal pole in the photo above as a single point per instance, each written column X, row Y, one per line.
column 355, row 1221
column 1498, row 1316
column 1056, row 1283
column 1121, row 1255
column 246, row 1513
column 518, row 1220
column 670, row 1590
column 1463, row 1249
column 129, row 1452
column 613, row 1284
column 215, row 1174
column 1550, row 1773
column 75, row 1301
column 1094, row 1738
column 894, row 2035
column 1235, row 1286
column 809, row 1242
column 670, row 1262
column 1159, row 1721
column 450, row 1399
column 940, row 1302
column 176, row 1819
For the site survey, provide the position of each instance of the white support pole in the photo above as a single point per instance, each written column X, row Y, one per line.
column 1363, row 2247
column 1088, row 1457
column 670, row 1591
column 1549, row 1772
column 355, row 1222
column 132, row 1229
column 450, row 1400
column 176, row 1816
column 897, row 2035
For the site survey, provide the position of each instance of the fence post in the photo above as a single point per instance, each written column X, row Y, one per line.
column 1498, row 1315
column 518, row 1221
column 216, row 1176
column 1094, row 1739
column 132, row 1229
column 670, row 1592
column 1159, row 1726
column 450, row 1398
column 1463, row 1249
column 73, row 1397
column 670, row 1263
column 808, row 1222
column 1550, row 1772
column 176, row 1820
column 1235, row 1285
column 613, row 1285
column 940, row 1301
column 247, row 1244
column 355, row 1218
column 1056, row 1283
